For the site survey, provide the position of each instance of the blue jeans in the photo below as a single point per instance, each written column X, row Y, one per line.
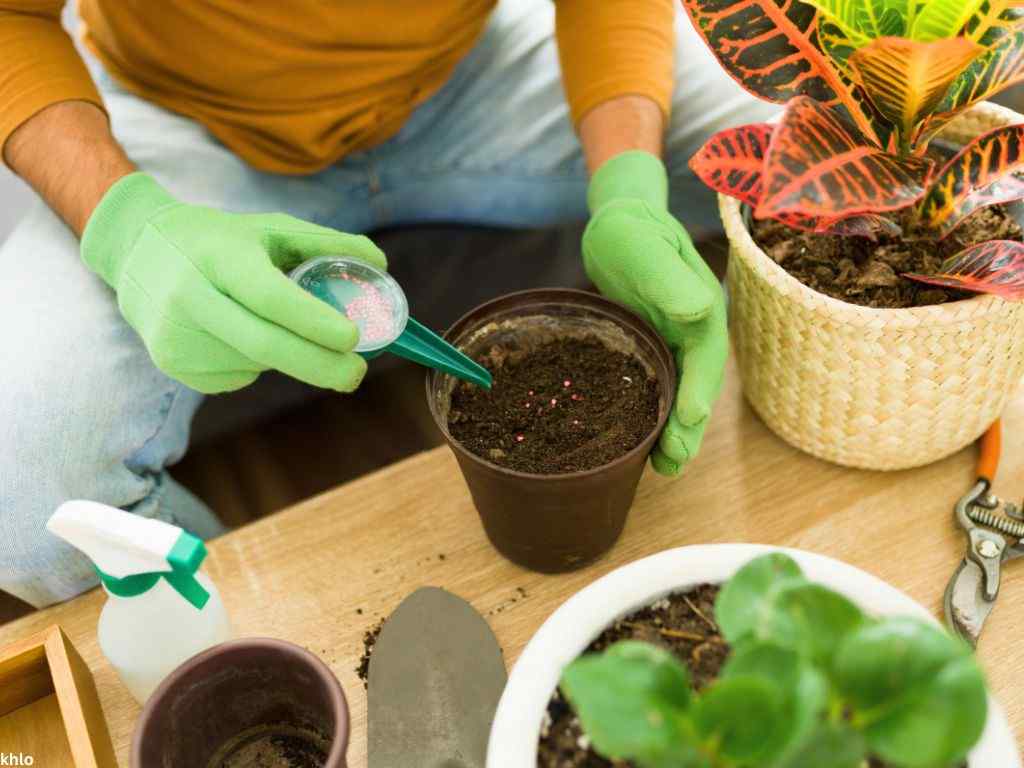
column 83, row 411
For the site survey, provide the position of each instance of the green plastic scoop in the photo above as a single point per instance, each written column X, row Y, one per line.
column 374, row 301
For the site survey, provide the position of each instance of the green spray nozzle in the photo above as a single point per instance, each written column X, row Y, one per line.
column 374, row 301
column 185, row 557
column 132, row 553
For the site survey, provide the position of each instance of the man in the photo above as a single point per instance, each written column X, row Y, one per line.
column 228, row 141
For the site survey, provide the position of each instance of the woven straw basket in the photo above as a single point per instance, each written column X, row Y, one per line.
column 864, row 387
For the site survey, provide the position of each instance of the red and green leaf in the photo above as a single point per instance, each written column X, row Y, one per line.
column 819, row 165
column 993, row 20
column 869, row 20
column 906, row 79
column 848, row 16
column 869, row 225
column 863, row 225
column 770, row 48
column 999, row 27
column 731, row 161
column 836, row 45
column 982, row 173
column 999, row 67
column 995, row 267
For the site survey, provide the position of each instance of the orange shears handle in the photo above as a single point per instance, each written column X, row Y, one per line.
column 991, row 447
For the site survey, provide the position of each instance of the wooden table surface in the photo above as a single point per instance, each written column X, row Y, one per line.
column 323, row 572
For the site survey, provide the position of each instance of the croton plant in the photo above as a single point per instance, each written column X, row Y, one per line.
column 867, row 85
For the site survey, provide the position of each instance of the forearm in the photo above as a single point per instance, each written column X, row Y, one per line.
column 619, row 125
column 67, row 153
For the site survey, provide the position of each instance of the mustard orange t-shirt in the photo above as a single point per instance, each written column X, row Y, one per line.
column 292, row 87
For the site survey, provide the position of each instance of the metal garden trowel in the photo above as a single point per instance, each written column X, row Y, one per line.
column 436, row 675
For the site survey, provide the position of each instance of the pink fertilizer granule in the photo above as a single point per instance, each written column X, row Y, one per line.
column 371, row 311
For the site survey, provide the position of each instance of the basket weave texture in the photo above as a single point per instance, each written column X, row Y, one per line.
column 863, row 387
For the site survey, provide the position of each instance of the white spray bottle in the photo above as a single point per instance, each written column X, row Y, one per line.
column 160, row 610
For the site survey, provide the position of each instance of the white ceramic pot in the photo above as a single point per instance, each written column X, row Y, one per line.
column 570, row 629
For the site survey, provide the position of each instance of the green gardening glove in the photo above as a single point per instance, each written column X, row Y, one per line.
column 639, row 255
column 206, row 292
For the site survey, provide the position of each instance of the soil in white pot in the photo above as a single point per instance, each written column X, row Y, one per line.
column 567, row 406
column 682, row 623
column 861, row 271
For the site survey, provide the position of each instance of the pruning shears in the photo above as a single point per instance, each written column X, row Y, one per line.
column 990, row 523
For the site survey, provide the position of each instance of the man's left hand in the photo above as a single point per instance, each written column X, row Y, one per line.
column 638, row 254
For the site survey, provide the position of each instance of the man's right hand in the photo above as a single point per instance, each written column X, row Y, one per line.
column 206, row 292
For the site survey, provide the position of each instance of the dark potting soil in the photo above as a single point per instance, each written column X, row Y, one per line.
column 860, row 271
column 369, row 640
column 281, row 746
column 683, row 624
column 566, row 406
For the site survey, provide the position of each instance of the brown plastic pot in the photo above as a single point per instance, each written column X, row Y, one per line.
column 553, row 523
column 207, row 705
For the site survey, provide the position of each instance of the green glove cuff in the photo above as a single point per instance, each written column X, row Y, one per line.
column 634, row 174
column 117, row 221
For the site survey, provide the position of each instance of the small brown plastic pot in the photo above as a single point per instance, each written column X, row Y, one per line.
column 208, row 705
column 553, row 523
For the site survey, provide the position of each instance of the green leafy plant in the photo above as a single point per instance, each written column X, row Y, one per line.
column 811, row 682
column 868, row 84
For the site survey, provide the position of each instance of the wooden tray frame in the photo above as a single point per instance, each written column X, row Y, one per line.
column 45, row 663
